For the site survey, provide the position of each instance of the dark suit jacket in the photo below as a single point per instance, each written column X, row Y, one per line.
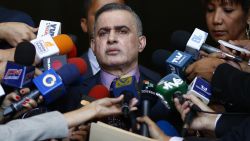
column 232, row 87
column 71, row 100
column 89, row 72
column 10, row 15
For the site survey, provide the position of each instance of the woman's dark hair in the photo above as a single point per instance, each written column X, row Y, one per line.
column 243, row 3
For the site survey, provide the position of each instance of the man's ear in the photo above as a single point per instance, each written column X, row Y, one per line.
column 142, row 43
column 84, row 25
column 92, row 45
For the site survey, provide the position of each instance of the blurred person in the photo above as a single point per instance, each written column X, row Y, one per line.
column 16, row 32
column 20, row 25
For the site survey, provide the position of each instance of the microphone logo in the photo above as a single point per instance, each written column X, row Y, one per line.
column 50, row 29
column 177, row 58
column 197, row 38
column 123, row 82
column 48, row 44
column 169, row 85
column 203, row 88
column 49, row 80
column 13, row 74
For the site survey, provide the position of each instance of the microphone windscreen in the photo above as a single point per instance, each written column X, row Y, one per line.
column 159, row 57
column 64, row 43
column 167, row 128
column 98, row 92
column 73, row 52
column 179, row 40
column 80, row 64
column 68, row 73
column 25, row 54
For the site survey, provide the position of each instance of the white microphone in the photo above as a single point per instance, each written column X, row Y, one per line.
column 1, row 91
column 45, row 46
column 195, row 42
column 201, row 89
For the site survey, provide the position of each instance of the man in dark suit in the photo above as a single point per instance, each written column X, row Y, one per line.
column 87, row 24
column 116, row 43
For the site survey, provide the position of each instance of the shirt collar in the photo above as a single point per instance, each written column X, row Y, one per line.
column 107, row 78
column 93, row 62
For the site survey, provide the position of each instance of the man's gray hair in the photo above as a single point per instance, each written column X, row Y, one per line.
column 116, row 6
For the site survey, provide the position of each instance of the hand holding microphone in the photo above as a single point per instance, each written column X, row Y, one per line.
column 202, row 120
column 27, row 103
column 204, row 67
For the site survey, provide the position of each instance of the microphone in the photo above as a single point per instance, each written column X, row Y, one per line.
column 80, row 63
column 47, row 46
column 50, row 85
column 48, row 27
column 169, row 85
column 98, row 92
column 73, row 52
column 126, row 86
column 2, row 92
column 178, row 62
column 167, row 128
column 172, row 86
column 159, row 58
column 201, row 89
column 19, row 74
column 54, row 62
column 148, row 99
column 192, row 44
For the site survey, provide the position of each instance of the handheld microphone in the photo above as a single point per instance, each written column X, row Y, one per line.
column 183, row 40
column 169, row 85
column 2, row 92
column 50, row 85
column 178, row 62
column 48, row 27
column 47, row 46
column 80, row 63
column 159, row 58
column 97, row 92
column 54, row 62
column 148, row 99
column 19, row 74
column 201, row 89
column 126, row 86
column 73, row 52
column 167, row 128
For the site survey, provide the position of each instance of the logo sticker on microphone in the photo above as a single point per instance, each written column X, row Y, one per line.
column 169, row 85
column 123, row 82
column 13, row 74
column 49, row 80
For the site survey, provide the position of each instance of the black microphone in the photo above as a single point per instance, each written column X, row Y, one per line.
column 125, row 104
column 148, row 99
column 19, row 74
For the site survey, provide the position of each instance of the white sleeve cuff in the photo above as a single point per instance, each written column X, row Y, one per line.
column 176, row 139
column 217, row 118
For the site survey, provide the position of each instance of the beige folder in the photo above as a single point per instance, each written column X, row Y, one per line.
column 103, row 132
